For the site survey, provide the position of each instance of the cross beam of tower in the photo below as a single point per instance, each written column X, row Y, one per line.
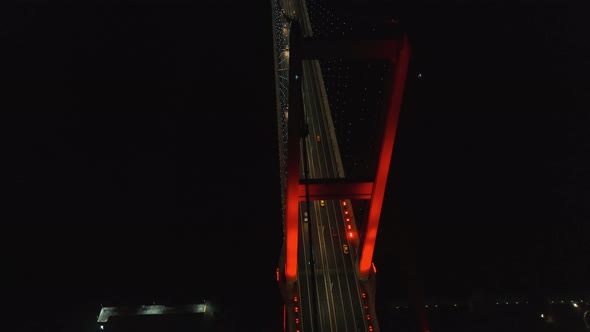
column 397, row 52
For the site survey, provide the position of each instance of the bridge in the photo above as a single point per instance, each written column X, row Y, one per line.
column 326, row 272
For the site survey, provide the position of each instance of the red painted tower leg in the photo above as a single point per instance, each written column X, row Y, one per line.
column 292, row 208
column 294, row 125
column 391, row 121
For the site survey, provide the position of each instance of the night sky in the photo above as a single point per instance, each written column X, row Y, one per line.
column 139, row 157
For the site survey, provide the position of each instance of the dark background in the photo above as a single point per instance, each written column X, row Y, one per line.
column 140, row 161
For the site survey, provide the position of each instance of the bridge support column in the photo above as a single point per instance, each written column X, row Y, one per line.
column 294, row 134
column 399, row 68
column 397, row 51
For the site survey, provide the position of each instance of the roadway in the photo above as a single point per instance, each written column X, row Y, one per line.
column 337, row 302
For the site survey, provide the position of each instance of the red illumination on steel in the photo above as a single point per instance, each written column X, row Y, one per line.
column 350, row 190
column 293, row 155
column 278, row 275
column 295, row 299
column 291, row 239
column 391, row 121
column 398, row 52
column 374, row 268
column 349, row 226
column 284, row 318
